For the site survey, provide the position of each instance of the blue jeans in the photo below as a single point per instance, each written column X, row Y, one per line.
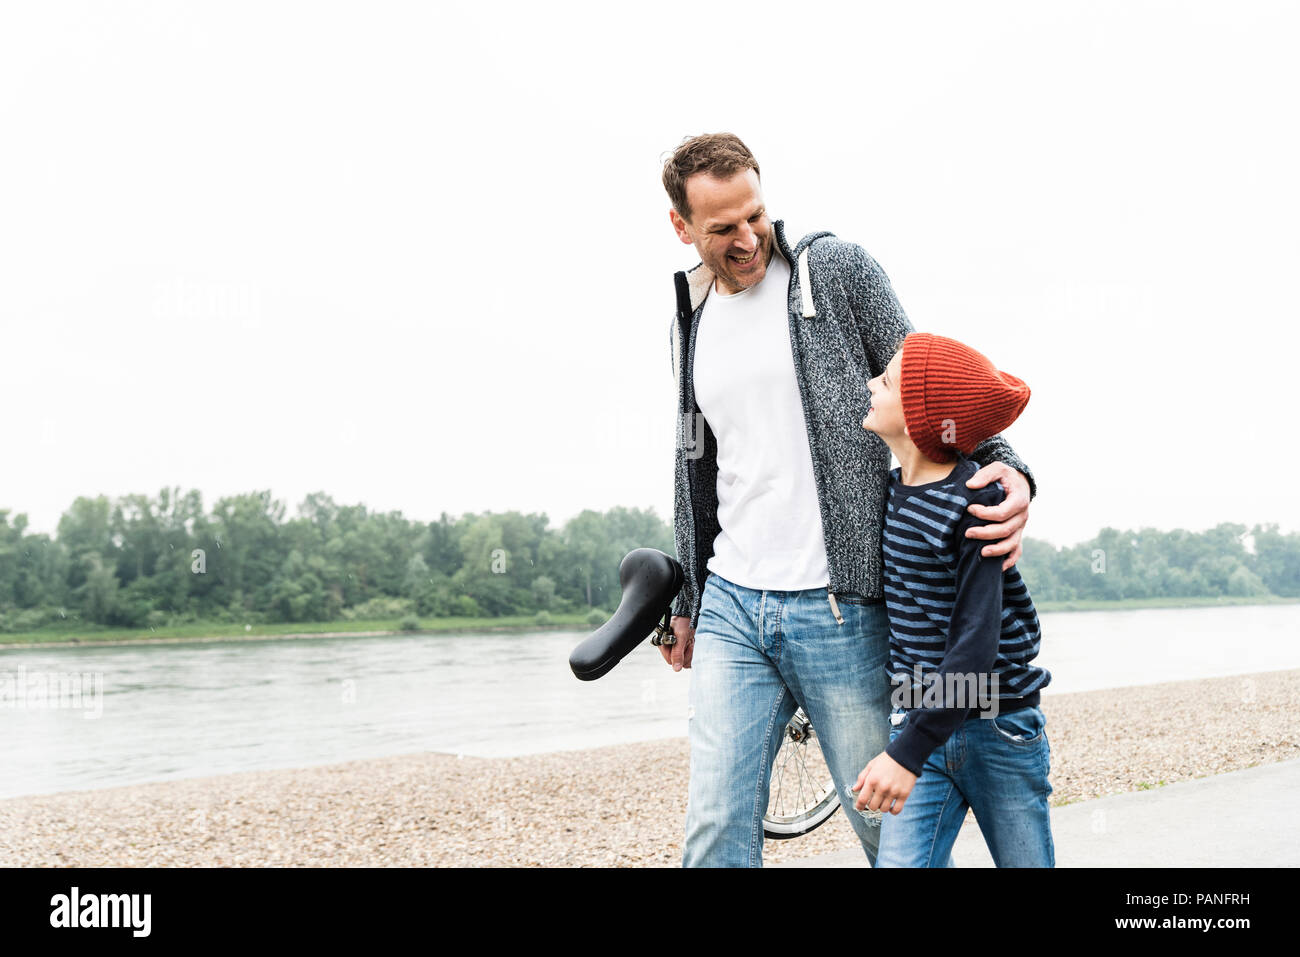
column 997, row 766
column 758, row 656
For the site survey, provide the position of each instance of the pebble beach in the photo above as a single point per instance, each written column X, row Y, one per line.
column 615, row 806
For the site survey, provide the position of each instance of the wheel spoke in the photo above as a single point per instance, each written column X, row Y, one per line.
column 780, row 780
column 799, row 797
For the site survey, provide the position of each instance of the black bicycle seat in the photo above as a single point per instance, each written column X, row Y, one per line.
column 650, row 581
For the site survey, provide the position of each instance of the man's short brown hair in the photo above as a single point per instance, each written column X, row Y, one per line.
column 721, row 155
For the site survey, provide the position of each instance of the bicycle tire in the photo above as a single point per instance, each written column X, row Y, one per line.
column 802, row 795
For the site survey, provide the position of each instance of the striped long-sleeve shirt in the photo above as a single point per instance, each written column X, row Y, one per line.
column 952, row 612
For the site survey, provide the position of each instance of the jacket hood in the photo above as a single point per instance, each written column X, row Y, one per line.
column 699, row 278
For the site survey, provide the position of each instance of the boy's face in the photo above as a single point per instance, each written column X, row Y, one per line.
column 885, row 417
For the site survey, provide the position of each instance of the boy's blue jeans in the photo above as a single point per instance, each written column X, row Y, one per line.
column 999, row 767
column 758, row 656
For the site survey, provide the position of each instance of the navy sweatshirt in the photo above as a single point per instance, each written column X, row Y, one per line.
column 952, row 611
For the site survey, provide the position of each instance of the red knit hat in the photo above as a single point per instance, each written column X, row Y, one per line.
column 953, row 397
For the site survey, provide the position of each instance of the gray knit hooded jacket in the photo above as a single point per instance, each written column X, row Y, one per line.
column 845, row 326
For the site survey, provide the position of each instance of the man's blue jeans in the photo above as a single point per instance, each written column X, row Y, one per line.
column 758, row 656
column 999, row 767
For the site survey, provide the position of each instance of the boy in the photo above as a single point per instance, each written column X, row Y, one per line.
column 966, row 728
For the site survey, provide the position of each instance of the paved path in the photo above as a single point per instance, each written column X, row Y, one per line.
column 1248, row 818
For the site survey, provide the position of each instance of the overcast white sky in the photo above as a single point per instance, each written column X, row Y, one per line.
column 418, row 256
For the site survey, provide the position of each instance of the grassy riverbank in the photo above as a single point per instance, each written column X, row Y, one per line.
column 81, row 634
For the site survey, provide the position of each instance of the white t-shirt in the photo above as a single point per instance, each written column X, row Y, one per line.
column 745, row 385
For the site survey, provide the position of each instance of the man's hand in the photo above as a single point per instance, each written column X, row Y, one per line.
column 883, row 785
column 679, row 654
column 1012, row 514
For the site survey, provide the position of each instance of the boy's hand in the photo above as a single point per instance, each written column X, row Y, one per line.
column 882, row 783
column 1011, row 515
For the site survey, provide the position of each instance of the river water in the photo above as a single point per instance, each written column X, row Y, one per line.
column 170, row 711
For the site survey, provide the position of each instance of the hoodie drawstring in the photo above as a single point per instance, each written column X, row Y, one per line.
column 805, row 286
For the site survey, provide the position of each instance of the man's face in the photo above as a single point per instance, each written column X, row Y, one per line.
column 728, row 227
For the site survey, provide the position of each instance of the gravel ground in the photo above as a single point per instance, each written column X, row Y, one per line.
column 612, row 806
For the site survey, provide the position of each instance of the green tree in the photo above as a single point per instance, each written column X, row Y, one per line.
column 97, row 595
column 1277, row 560
column 543, row 591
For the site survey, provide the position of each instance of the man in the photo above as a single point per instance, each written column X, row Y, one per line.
column 779, row 500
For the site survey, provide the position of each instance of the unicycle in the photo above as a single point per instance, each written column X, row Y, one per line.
column 802, row 794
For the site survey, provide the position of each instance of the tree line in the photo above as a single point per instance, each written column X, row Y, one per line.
column 1227, row 560
column 142, row 561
